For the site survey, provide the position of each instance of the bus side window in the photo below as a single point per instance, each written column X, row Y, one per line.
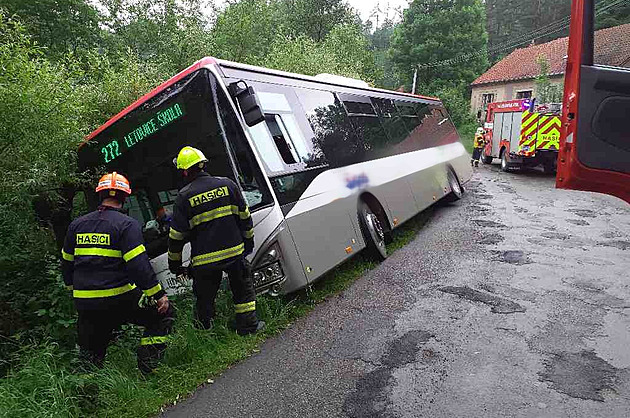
column 366, row 123
column 391, row 119
column 281, row 138
column 249, row 173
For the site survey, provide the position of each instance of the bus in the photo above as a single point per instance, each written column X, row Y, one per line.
column 328, row 165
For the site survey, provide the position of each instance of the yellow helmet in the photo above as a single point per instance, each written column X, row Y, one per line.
column 188, row 157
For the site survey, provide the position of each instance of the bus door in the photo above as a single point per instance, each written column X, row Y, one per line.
column 595, row 140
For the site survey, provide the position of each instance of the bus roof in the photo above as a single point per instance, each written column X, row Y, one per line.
column 348, row 83
column 229, row 64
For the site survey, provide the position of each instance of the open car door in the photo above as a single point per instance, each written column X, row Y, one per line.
column 595, row 140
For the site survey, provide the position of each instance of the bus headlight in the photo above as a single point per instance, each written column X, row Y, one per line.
column 268, row 269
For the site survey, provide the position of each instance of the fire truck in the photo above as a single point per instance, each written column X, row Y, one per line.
column 522, row 134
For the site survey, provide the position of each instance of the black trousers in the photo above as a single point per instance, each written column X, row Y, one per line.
column 476, row 154
column 100, row 318
column 206, row 283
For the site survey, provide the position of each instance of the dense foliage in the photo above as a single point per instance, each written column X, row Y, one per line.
column 438, row 30
column 510, row 21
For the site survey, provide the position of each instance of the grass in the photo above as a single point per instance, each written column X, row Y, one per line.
column 467, row 134
column 45, row 383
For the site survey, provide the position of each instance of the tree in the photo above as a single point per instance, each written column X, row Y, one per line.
column 381, row 41
column 613, row 17
column 508, row 21
column 436, row 30
column 316, row 18
column 245, row 31
column 546, row 92
column 58, row 25
column 170, row 32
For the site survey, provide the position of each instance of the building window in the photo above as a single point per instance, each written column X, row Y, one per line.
column 525, row 94
column 486, row 99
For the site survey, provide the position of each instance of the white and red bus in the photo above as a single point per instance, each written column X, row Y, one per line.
column 327, row 165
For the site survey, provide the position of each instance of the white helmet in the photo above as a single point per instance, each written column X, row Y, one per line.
column 479, row 130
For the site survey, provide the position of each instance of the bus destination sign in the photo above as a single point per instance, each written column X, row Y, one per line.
column 158, row 122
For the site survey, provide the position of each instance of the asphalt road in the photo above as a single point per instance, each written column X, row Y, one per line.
column 513, row 302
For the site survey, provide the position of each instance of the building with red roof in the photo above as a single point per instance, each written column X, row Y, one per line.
column 514, row 76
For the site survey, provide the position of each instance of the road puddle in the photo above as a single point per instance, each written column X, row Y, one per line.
column 581, row 375
column 499, row 305
column 613, row 346
column 578, row 222
column 515, row 257
column 488, row 224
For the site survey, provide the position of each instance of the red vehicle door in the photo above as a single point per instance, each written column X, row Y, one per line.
column 595, row 140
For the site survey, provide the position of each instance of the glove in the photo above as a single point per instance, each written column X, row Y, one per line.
column 182, row 273
column 146, row 301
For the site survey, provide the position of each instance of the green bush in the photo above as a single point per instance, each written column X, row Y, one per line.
column 48, row 107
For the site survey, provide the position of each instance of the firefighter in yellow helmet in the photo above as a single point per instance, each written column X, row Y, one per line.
column 212, row 214
column 106, row 266
column 478, row 145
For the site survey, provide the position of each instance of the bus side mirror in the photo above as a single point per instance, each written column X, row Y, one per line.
column 248, row 102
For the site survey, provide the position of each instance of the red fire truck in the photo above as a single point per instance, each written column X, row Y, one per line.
column 522, row 134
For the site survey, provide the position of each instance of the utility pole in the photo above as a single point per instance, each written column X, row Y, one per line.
column 415, row 79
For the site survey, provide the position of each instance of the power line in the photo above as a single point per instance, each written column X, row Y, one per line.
column 544, row 31
column 523, row 39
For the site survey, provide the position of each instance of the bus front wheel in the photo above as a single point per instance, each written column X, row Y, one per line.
column 373, row 232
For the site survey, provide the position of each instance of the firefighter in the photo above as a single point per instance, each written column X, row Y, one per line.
column 478, row 145
column 211, row 213
column 106, row 266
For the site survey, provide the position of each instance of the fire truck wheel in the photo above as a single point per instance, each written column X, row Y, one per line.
column 486, row 159
column 505, row 161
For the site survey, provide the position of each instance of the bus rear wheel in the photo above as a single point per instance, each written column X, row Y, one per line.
column 373, row 232
column 456, row 188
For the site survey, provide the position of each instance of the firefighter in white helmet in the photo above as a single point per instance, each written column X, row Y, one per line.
column 478, row 145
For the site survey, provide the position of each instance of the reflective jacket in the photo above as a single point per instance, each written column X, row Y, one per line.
column 211, row 213
column 479, row 141
column 104, row 256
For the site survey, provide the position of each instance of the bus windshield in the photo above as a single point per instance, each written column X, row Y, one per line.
column 142, row 145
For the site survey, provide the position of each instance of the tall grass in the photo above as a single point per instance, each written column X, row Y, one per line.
column 46, row 382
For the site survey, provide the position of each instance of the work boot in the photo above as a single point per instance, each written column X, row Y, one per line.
column 472, row 162
column 253, row 330
column 476, row 163
column 205, row 324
